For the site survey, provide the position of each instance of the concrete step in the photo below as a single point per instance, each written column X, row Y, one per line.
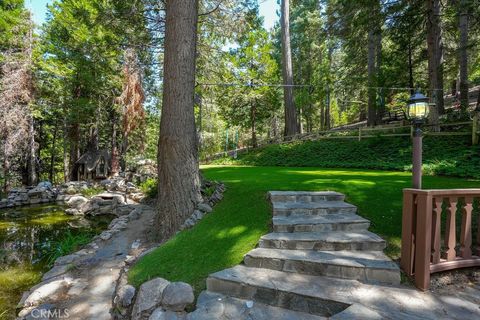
column 329, row 222
column 305, row 196
column 323, row 241
column 312, row 208
column 297, row 292
column 365, row 266
column 211, row 305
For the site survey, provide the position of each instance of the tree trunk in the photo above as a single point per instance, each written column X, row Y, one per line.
column 31, row 166
column 291, row 126
column 435, row 59
column 253, row 121
column 463, row 54
column 66, row 169
column 411, row 82
column 115, row 164
column 51, row 174
column 74, row 149
column 378, row 72
column 178, row 170
column 371, row 112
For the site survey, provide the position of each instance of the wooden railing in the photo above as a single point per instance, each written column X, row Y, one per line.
column 431, row 241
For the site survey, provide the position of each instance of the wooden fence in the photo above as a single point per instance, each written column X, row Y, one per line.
column 465, row 128
column 427, row 247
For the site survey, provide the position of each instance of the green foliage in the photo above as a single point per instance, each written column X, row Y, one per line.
column 68, row 244
column 150, row 188
column 90, row 192
column 222, row 238
column 450, row 156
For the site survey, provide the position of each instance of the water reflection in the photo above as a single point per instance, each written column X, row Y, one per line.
column 27, row 236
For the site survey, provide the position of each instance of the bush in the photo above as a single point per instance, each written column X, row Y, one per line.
column 450, row 156
column 149, row 187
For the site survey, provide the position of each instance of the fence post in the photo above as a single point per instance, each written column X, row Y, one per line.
column 423, row 243
column 359, row 134
column 408, row 232
column 475, row 128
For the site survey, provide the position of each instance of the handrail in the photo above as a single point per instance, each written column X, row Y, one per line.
column 426, row 246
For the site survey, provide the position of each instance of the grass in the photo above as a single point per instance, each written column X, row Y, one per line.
column 222, row 238
column 90, row 192
column 13, row 281
column 67, row 244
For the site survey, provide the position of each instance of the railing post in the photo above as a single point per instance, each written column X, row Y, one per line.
column 423, row 241
column 408, row 232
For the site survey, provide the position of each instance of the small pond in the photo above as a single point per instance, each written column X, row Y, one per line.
column 30, row 239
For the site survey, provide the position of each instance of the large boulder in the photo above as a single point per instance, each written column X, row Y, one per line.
column 45, row 184
column 77, row 202
column 149, row 297
column 177, row 295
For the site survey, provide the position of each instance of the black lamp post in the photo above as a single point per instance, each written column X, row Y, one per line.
column 417, row 109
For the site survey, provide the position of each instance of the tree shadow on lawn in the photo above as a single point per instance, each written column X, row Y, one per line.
column 222, row 238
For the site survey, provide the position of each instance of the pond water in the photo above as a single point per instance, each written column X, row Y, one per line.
column 30, row 238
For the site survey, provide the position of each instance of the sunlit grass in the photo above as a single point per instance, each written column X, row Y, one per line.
column 13, row 282
column 222, row 238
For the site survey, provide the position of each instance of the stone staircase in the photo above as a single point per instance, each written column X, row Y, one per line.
column 319, row 251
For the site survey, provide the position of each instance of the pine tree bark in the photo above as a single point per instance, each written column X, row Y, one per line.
column 51, row 174
column 291, row 125
column 435, row 59
column 463, row 54
column 178, row 169
column 371, row 111
column 253, row 121
column 31, row 166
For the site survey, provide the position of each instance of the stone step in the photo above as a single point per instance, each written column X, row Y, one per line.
column 365, row 266
column 297, row 292
column 323, row 241
column 217, row 306
column 329, row 222
column 305, row 196
column 312, row 208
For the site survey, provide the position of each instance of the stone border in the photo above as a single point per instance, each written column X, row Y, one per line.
column 56, row 279
column 125, row 304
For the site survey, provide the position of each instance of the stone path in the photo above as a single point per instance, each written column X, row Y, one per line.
column 84, row 283
column 320, row 262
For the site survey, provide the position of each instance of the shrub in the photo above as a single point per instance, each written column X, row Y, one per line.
column 149, row 187
column 451, row 156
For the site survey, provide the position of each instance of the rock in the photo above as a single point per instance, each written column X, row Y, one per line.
column 198, row 215
column 105, row 235
column 149, row 296
column 65, row 259
column 42, row 312
column 47, row 289
column 77, row 202
column 125, row 295
column 56, row 271
column 205, row 207
column 160, row 314
column 71, row 190
column 177, row 296
column 106, row 182
column 136, row 244
column 135, row 214
column 45, row 185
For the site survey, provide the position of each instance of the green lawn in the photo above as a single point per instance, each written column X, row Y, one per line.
column 222, row 238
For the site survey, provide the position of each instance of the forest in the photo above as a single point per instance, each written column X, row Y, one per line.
column 91, row 77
